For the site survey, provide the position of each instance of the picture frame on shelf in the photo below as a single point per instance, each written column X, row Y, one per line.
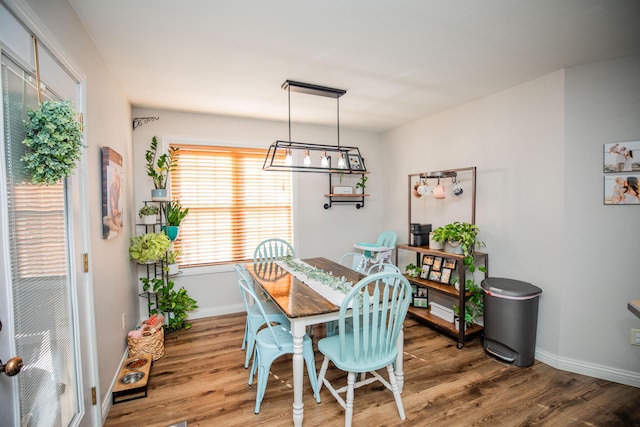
column 420, row 302
column 437, row 264
column 445, row 275
column 422, row 292
column 449, row 263
column 425, row 271
column 434, row 276
column 427, row 259
column 355, row 162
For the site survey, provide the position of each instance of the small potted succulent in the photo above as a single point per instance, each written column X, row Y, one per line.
column 148, row 213
column 53, row 142
column 413, row 270
column 158, row 168
column 172, row 262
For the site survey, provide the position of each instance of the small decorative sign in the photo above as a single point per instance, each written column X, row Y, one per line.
column 342, row 190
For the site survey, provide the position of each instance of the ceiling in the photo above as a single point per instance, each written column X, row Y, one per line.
column 398, row 60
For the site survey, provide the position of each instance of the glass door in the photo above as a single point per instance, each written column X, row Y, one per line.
column 37, row 305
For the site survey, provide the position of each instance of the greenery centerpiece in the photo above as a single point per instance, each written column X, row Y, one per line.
column 149, row 247
column 53, row 141
column 176, row 304
column 158, row 168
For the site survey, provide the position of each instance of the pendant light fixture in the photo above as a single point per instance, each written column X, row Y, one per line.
column 306, row 157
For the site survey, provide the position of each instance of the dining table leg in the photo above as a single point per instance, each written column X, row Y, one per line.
column 298, row 329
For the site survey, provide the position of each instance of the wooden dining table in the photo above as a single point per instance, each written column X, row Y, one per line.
column 304, row 306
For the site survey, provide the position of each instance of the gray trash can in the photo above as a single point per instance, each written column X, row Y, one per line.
column 510, row 319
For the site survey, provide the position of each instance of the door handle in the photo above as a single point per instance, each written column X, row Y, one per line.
column 12, row 367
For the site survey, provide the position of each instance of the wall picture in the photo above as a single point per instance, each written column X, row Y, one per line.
column 112, row 185
column 622, row 189
column 355, row 162
column 622, row 157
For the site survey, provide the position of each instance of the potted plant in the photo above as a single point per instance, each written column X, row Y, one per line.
column 361, row 185
column 473, row 308
column 175, row 304
column 172, row 262
column 148, row 213
column 149, row 247
column 457, row 237
column 158, row 168
column 53, row 141
column 413, row 270
column 175, row 213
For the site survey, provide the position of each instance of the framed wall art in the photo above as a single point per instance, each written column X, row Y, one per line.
column 112, row 185
column 621, row 157
column 355, row 162
column 622, row 189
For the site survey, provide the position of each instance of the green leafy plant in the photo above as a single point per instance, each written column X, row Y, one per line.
column 159, row 165
column 413, row 270
column 148, row 210
column 54, row 142
column 176, row 304
column 172, row 256
column 362, row 183
column 466, row 235
column 175, row 213
column 149, row 247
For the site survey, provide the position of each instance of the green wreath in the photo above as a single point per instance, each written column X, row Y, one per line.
column 54, row 142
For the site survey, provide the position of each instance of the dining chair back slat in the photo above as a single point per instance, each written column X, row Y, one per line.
column 271, row 250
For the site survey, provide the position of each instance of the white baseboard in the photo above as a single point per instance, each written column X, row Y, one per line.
column 591, row 369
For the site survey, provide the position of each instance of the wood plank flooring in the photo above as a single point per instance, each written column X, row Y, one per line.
column 201, row 380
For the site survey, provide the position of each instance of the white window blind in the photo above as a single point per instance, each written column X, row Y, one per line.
column 233, row 204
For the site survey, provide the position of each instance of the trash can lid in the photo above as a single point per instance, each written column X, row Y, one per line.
column 499, row 286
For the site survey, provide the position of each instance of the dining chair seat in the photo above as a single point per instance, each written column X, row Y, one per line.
column 377, row 306
column 272, row 342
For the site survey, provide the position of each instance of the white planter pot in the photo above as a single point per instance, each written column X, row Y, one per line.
column 433, row 244
column 173, row 269
column 453, row 247
column 359, row 190
column 149, row 219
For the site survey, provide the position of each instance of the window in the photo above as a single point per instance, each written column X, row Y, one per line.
column 233, row 204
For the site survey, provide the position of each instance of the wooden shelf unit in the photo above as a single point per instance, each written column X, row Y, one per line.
column 446, row 290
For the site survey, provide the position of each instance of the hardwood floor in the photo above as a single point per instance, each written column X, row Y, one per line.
column 201, row 380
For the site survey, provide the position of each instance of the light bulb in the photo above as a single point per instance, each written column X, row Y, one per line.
column 288, row 158
column 324, row 160
column 307, row 158
column 341, row 163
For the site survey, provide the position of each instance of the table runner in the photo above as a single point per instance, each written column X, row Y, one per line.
column 332, row 288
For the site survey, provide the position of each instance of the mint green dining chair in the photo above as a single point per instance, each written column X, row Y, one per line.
column 354, row 260
column 377, row 306
column 271, row 343
column 272, row 250
column 383, row 267
column 255, row 318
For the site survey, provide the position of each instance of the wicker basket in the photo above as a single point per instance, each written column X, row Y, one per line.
column 151, row 344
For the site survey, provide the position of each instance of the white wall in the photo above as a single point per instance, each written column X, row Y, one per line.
column 538, row 149
column 318, row 232
column 602, row 242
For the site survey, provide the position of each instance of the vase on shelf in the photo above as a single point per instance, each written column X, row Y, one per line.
column 171, row 231
column 159, row 194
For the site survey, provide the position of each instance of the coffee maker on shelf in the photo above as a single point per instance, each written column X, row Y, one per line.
column 420, row 234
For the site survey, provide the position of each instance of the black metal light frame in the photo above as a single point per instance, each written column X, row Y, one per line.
column 278, row 151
